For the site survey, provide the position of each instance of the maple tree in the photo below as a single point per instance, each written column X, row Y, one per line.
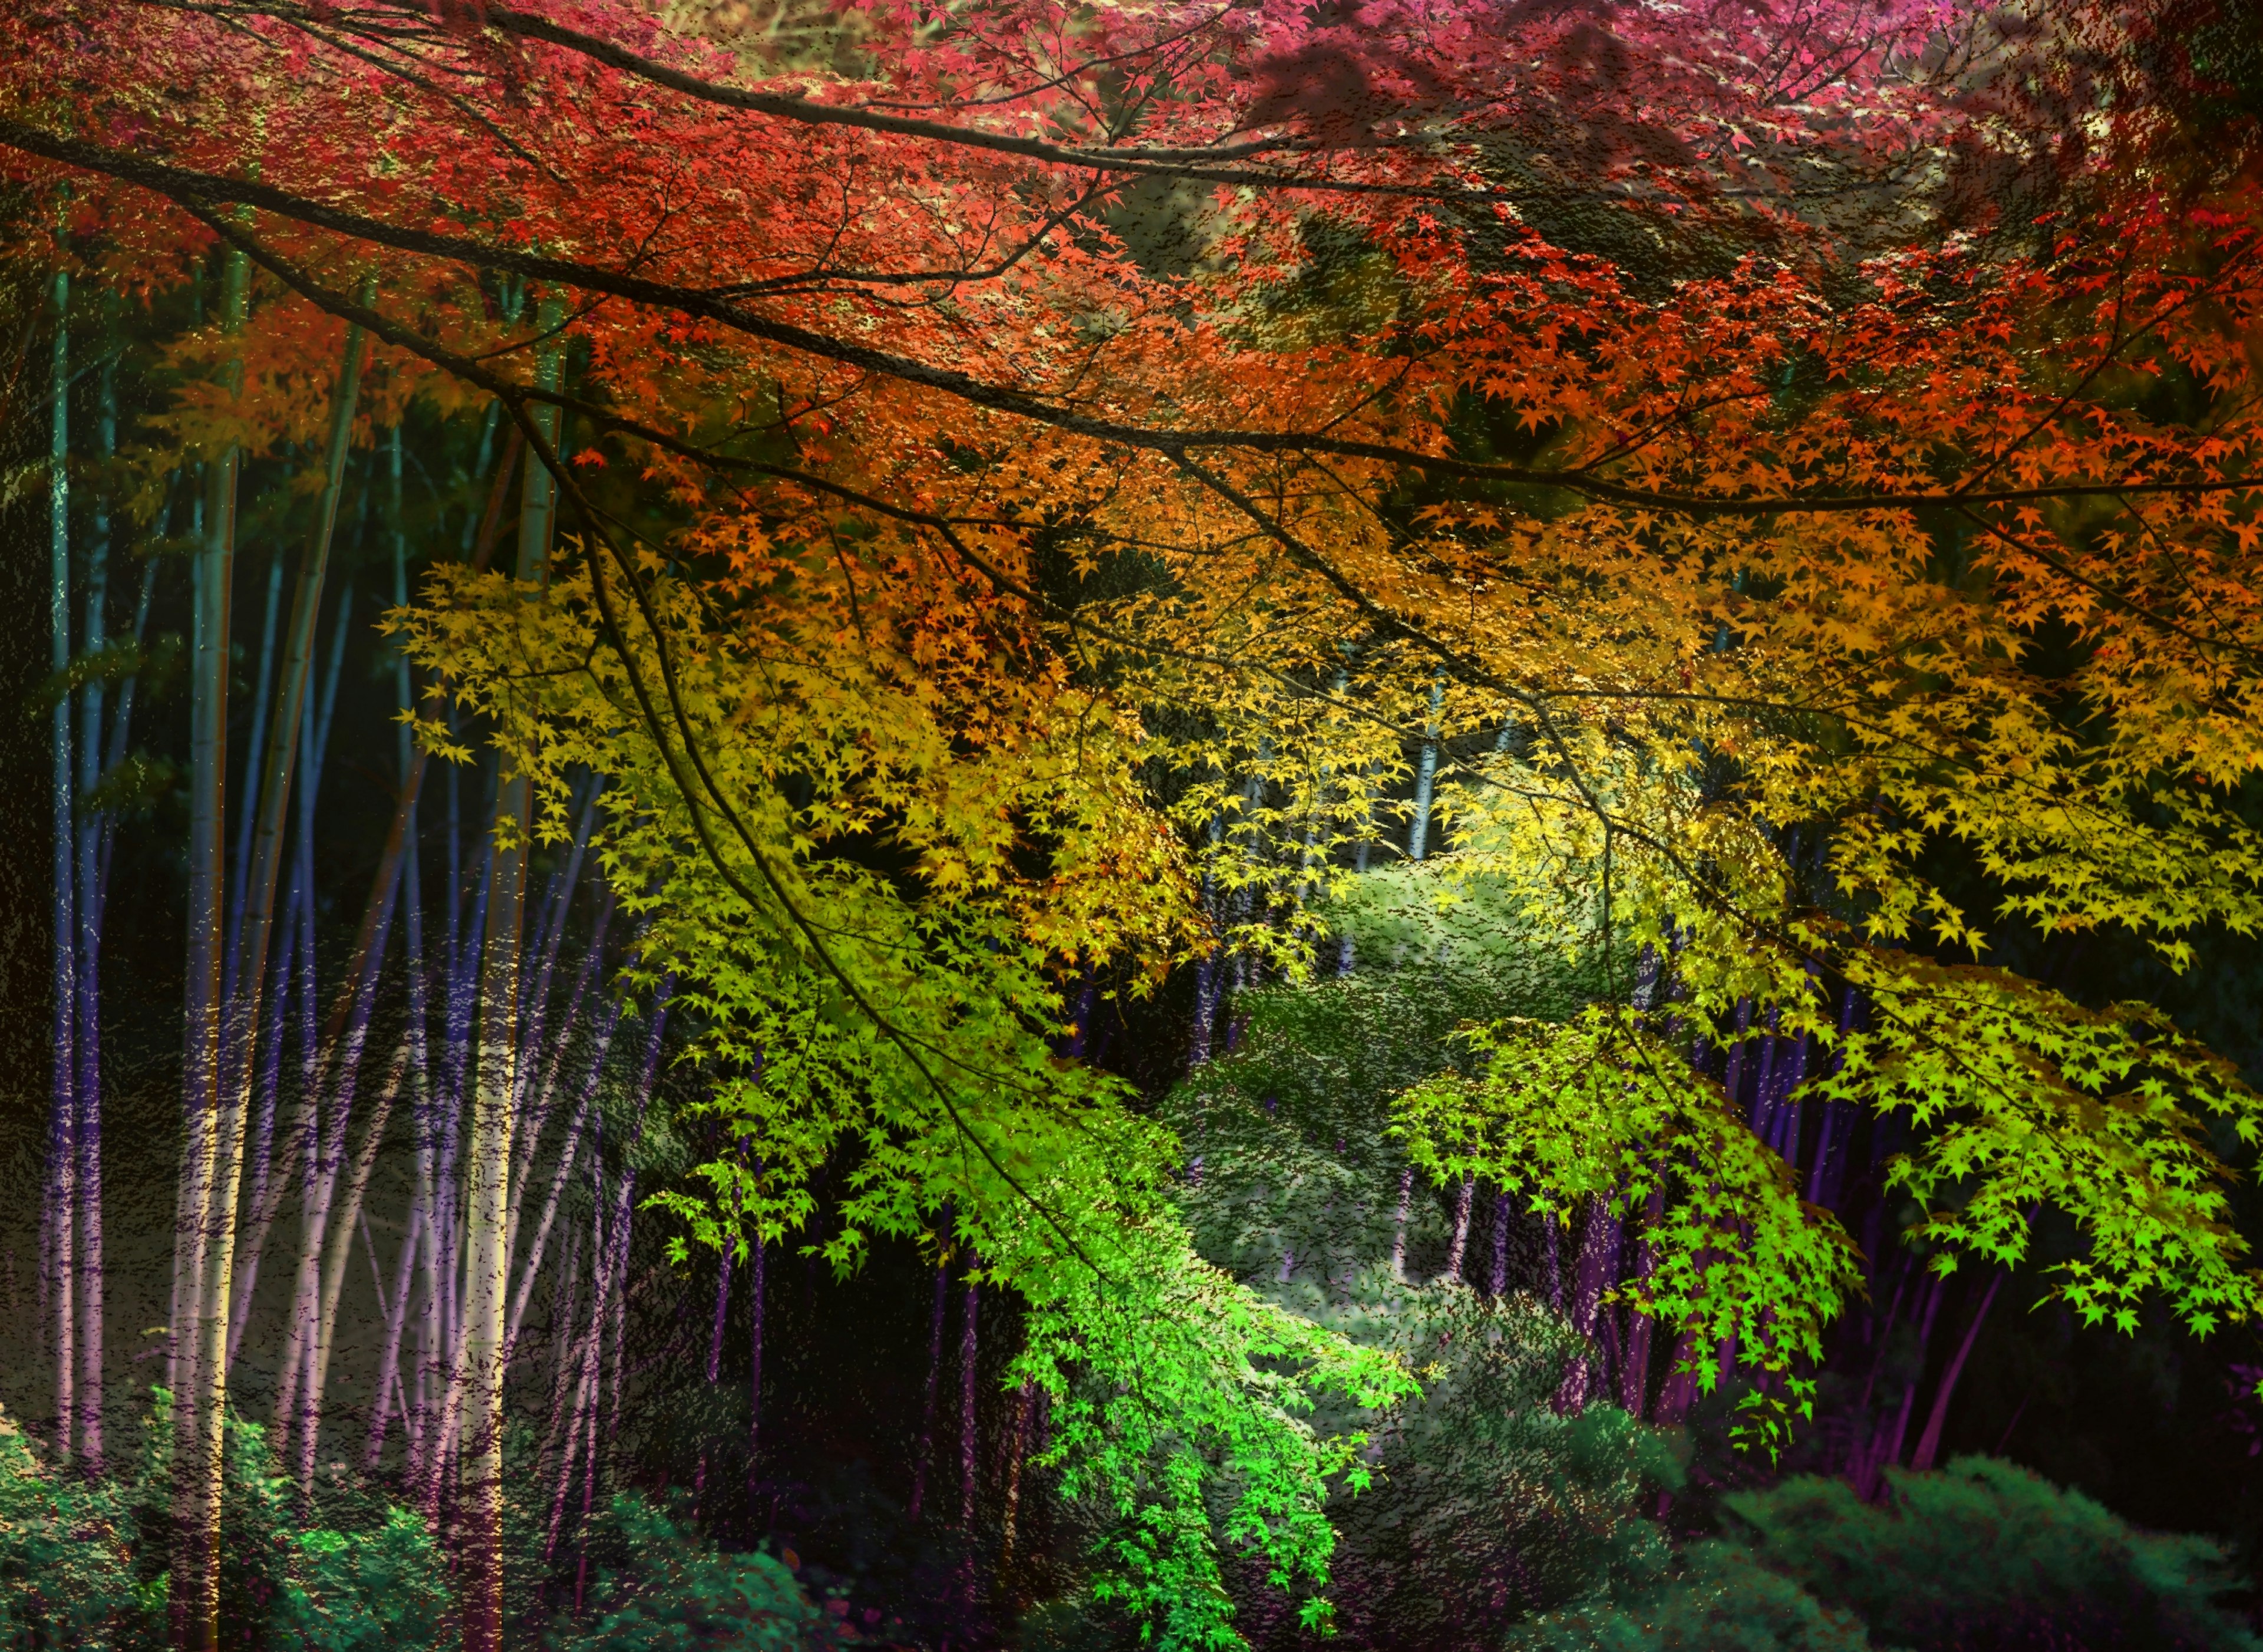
column 1028, row 474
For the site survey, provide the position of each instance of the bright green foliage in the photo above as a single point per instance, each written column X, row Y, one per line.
column 1489, row 1505
column 1296, row 1198
column 1722, row 1601
column 1603, row 1108
column 666, row 1589
column 365, row 1591
column 75, row 1570
column 2023, row 1096
column 873, row 973
column 66, row 1572
column 1981, row 1554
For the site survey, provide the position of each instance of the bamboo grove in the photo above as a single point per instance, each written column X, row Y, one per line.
column 969, row 517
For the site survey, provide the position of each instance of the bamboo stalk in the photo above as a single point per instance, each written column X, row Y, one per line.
column 1460, row 1246
column 488, row 1204
column 93, row 831
column 386, row 1395
column 62, row 1147
column 285, row 736
column 531, row 1266
column 334, row 1270
column 214, row 1146
column 539, row 1114
column 1929, row 1441
column 240, row 876
column 339, row 1047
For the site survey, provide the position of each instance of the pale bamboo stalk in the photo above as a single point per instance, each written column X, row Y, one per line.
column 1426, row 774
column 339, row 1047
column 488, row 1204
column 565, row 1347
column 62, row 1149
column 314, row 1207
column 181, row 1308
column 531, row 1266
column 1398, row 1224
column 539, row 1115
column 214, row 1146
column 333, row 1267
column 388, row 1396
column 285, row 737
column 1456, row 1251
column 589, row 1345
column 93, row 831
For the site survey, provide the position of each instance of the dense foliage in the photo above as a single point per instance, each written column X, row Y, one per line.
column 1022, row 505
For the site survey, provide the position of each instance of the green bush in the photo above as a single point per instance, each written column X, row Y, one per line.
column 82, row 1567
column 1720, row 1600
column 664, row 1589
column 1981, row 1556
column 1984, row 1556
column 67, row 1576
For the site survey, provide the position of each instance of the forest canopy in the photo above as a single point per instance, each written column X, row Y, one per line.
column 990, row 519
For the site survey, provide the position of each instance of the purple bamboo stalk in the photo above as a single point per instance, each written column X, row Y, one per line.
column 270, row 1057
column 388, row 1389
column 715, row 1351
column 240, row 879
column 1928, row 1442
column 1497, row 1283
column 1460, row 1246
column 645, row 1078
column 934, row 1384
column 92, row 831
column 62, row 1148
column 531, row 1266
column 334, row 1270
column 1733, row 1077
column 722, row 1314
column 1890, row 1450
column 288, row 733
column 529, row 1135
column 1634, row 1371
column 587, row 1347
column 566, row 1350
column 1596, row 1271
column 550, row 929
